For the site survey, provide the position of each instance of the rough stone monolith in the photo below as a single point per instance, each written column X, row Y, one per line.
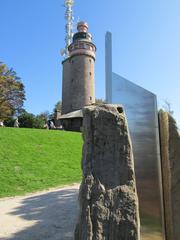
column 170, row 157
column 108, row 197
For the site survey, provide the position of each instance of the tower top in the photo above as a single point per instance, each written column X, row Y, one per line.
column 82, row 27
column 82, row 42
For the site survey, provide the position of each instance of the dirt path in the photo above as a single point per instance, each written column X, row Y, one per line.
column 49, row 215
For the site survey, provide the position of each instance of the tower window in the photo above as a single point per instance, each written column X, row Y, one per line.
column 90, row 60
column 90, row 73
column 90, row 98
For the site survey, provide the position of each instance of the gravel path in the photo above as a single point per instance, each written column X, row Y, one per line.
column 48, row 215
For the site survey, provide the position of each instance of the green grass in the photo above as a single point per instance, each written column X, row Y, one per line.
column 151, row 224
column 33, row 159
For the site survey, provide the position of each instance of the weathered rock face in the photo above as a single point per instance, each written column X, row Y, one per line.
column 108, row 198
column 170, row 155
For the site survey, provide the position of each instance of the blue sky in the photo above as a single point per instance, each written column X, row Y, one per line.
column 146, row 45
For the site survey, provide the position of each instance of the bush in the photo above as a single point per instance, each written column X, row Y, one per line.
column 9, row 122
column 26, row 120
column 29, row 120
column 38, row 122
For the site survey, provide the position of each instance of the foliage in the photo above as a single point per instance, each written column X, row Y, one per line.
column 9, row 122
column 26, row 120
column 167, row 107
column 99, row 101
column 57, row 109
column 36, row 159
column 44, row 116
column 38, row 122
column 29, row 120
column 58, row 106
column 12, row 93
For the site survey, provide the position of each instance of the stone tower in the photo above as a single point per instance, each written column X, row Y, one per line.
column 78, row 72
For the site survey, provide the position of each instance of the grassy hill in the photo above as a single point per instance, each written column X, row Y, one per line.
column 33, row 159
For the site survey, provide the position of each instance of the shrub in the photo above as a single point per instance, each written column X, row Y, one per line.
column 9, row 122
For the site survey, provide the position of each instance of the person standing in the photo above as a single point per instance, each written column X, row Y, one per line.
column 16, row 123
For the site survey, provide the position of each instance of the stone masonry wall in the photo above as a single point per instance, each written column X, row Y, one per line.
column 78, row 83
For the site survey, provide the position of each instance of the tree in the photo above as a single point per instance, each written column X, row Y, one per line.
column 56, row 111
column 29, row 120
column 26, row 120
column 9, row 122
column 12, row 93
column 99, row 101
column 38, row 122
column 167, row 107
column 58, row 107
column 44, row 116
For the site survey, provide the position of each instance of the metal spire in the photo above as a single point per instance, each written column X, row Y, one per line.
column 69, row 25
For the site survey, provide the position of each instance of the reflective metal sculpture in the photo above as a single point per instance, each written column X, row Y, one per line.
column 141, row 110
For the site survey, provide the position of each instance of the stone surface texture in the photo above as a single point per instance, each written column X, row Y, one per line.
column 108, row 197
column 78, row 88
column 170, row 155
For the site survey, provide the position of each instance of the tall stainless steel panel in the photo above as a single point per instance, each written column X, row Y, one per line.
column 141, row 110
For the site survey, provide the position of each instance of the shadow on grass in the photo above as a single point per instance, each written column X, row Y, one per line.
column 54, row 213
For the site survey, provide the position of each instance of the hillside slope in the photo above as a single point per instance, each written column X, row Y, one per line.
column 32, row 159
